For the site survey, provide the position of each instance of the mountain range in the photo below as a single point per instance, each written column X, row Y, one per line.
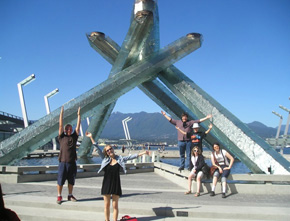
column 153, row 127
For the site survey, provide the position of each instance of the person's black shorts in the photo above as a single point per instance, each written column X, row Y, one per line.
column 66, row 171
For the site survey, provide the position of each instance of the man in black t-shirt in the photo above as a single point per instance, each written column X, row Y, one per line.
column 67, row 168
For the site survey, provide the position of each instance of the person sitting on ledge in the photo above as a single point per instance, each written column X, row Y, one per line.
column 198, row 162
column 111, row 165
column 219, row 158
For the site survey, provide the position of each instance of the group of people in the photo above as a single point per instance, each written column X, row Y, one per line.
column 189, row 142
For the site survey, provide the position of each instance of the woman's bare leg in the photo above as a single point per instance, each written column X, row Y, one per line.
column 115, row 207
column 107, row 199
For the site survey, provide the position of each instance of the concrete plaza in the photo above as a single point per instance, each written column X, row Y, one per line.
column 148, row 196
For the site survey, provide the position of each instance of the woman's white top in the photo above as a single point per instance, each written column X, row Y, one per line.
column 193, row 160
column 220, row 158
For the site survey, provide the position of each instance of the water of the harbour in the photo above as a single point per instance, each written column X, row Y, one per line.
column 238, row 167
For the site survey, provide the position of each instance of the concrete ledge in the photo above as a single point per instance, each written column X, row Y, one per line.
column 237, row 183
column 22, row 174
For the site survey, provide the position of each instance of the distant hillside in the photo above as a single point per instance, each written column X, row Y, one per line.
column 262, row 130
column 143, row 126
column 154, row 127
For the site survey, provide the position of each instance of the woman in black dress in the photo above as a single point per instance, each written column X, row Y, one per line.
column 111, row 165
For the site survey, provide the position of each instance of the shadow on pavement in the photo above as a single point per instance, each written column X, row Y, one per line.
column 138, row 194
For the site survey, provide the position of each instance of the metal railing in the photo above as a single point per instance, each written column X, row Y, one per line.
column 10, row 115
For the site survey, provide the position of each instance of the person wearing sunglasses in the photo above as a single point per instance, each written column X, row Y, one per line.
column 184, row 142
column 111, row 165
column 198, row 162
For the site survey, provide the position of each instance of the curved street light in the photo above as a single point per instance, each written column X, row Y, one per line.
column 50, row 94
column 280, row 123
column 21, row 97
column 288, row 120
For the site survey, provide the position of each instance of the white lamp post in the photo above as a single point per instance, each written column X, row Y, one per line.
column 126, row 130
column 280, row 123
column 52, row 93
column 288, row 120
column 21, row 97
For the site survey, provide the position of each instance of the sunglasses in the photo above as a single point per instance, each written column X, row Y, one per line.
column 109, row 149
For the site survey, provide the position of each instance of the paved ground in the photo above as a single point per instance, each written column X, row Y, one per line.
column 147, row 196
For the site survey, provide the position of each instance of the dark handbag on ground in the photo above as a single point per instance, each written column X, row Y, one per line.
column 126, row 218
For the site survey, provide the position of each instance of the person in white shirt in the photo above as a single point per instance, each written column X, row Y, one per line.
column 219, row 158
column 198, row 162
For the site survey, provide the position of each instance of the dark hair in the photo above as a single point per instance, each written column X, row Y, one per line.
column 216, row 143
column 184, row 114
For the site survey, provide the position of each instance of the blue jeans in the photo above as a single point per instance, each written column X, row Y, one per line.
column 66, row 171
column 184, row 147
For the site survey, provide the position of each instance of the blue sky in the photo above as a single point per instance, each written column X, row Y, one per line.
column 244, row 62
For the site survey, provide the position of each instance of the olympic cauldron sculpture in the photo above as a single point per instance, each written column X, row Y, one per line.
column 139, row 62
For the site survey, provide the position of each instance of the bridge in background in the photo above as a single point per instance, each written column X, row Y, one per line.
column 10, row 124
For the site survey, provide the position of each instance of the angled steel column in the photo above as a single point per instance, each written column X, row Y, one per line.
column 39, row 133
column 140, row 28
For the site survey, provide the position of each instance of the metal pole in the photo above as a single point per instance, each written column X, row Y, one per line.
column 22, row 103
column 52, row 93
column 288, row 121
column 126, row 123
column 21, row 97
column 128, row 134
column 280, row 124
column 123, row 122
column 287, row 126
